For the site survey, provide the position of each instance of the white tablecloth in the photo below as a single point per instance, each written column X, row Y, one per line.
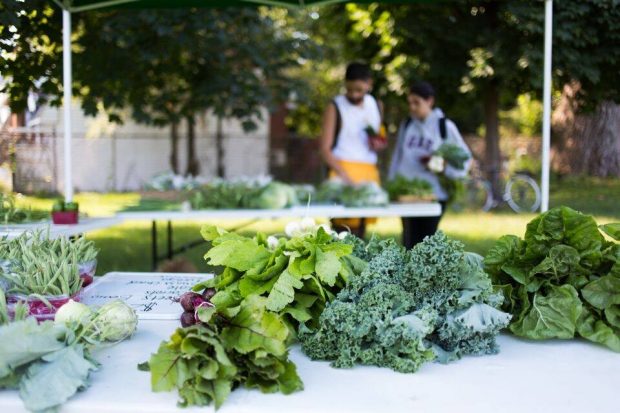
column 526, row 377
column 430, row 209
column 85, row 225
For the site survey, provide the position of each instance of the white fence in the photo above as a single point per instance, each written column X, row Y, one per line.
column 110, row 157
column 124, row 163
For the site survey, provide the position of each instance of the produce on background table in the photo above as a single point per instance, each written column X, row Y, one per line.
column 401, row 187
column 169, row 181
column 253, row 193
column 336, row 192
column 242, row 345
column 562, row 280
column 406, row 308
column 297, row 276
column 49, row 362
column 10, row 213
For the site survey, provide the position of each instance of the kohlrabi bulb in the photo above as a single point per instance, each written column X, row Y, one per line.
column 72, row 312
column 115, row 321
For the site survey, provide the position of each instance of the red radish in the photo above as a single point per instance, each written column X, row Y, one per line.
column 208, row 293
column 187, row 319
column 190, row 300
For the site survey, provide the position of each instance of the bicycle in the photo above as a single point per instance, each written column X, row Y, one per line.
column 521, row 192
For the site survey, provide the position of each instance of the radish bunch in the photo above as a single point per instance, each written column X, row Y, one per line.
column 191, row 302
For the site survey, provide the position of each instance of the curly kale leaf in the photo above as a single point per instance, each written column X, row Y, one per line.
column 409, row 307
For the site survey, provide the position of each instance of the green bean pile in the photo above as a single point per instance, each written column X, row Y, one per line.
column 42, row 266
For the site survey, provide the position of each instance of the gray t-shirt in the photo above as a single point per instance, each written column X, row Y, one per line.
column 421, row 139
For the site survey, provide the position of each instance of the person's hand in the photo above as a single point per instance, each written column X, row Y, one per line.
column 377, row 143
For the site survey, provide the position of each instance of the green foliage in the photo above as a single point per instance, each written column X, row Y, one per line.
column 561, row 280
column 297, row 276
column 409, row 307
column 525, row 118
column 11, row 213
column 241, row 345
column 400, row 186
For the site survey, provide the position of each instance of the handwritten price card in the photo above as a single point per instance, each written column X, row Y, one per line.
column 153, row 295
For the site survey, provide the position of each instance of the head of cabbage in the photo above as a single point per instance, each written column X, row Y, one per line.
column 275, row 195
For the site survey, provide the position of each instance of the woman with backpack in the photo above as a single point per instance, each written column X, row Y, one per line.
column 419, row 137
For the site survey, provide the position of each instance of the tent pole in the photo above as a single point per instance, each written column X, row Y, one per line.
column 546, row 143
column 67, row 95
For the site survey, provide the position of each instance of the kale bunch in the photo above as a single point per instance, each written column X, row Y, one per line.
column 434, row 302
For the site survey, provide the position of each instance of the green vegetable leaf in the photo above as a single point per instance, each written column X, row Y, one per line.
column 553, row 315
column 50, row 382
column 25, row 341
column 603, row 292
column 241, row 254
column 283, row 291
column 612, row 314
column 594, row 329
column 327, row 266
column 254, row 328
column 613, row 230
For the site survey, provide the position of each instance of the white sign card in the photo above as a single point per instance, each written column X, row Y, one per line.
column 153, row 295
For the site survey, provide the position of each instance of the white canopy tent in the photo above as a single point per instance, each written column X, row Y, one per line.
column 67, row 81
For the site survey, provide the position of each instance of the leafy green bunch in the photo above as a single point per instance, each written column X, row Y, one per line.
column 297, row 276
column 401, row 186
column 409, row 307
column 244, row 345
column 366, row 194
column 562, row 279
column 453, row 155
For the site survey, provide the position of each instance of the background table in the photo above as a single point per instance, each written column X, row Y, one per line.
column 431, row 209
column 553, row 376
column 85, row 225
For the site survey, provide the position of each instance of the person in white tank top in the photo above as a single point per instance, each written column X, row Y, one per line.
column 346, row 147
column 345, row 122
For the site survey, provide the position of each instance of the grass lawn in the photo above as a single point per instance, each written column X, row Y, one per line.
column 127, row 247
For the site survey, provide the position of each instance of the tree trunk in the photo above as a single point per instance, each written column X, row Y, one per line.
column 193, row 166
column 174, row 147
column 219, row 146
column 588, row 143
column 492, row 151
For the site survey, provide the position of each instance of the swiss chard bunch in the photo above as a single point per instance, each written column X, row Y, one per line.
column 297, row 276
column 408, row 308
column 244, row 345
column 562, row 279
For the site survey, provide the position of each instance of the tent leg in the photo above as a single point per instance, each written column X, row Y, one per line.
column 67, row 95
column 546, row 143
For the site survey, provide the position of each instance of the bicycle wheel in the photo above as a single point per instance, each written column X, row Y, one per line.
column 522, row 194
column 478, row 194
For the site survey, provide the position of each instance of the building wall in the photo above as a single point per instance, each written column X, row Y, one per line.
column 108, row 157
